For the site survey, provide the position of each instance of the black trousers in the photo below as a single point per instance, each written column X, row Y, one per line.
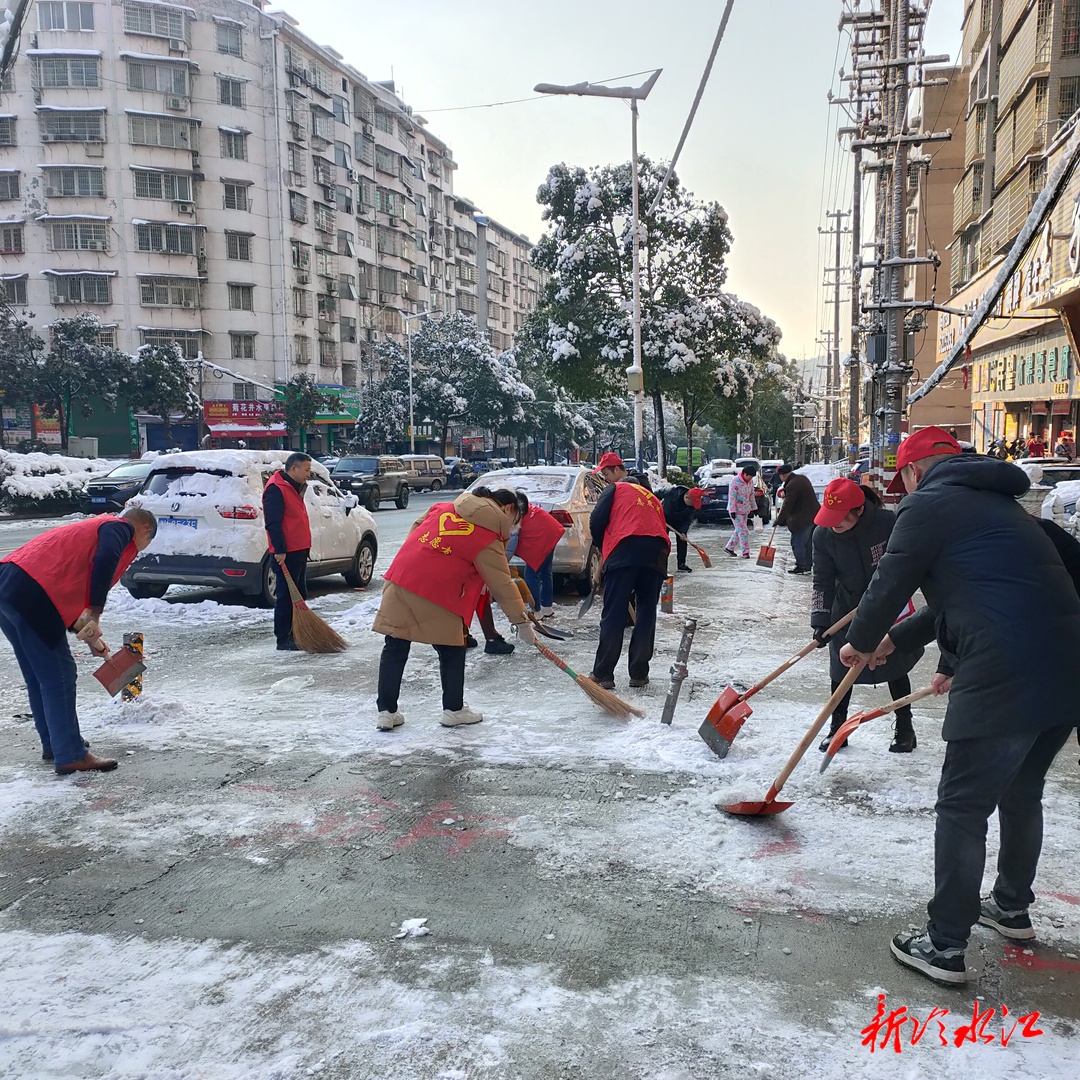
column 619, row 585
column 680, row 551
column 392, row 667
column 898, row 688
column 296, row 562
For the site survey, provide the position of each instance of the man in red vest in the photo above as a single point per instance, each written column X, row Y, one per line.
column 288, row 531
column 629, row 526
column 57, row 582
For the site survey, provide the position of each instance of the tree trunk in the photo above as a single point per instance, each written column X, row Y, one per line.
column 445, row 433
column 165, row 421
column 661, row 434
column 62, row 420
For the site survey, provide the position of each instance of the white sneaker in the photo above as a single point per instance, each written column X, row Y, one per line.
column 546, row 613
column 389, row 720
column 461, row 716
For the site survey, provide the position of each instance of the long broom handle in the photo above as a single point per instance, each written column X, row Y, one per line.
column 804, row 652
column 686, row 540
column 812, row 733
column 294, row 592
column 558, row 661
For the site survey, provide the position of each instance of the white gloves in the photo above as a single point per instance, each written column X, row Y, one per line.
column 525, row 633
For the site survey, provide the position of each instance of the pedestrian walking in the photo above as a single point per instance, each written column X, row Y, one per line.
column 1065, row 447
column 629, row 526
column 1036, row 447
column 288, row 532
column 431, row 592
column 59, row 581
column 985, row 567
column 741, row 503
column 680, row 504
column 798, row 514
column 537, row 537
column 849, row 541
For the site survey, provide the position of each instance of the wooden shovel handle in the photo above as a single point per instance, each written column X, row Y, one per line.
column 899, row 703
column 803, row 652
column 812, row 733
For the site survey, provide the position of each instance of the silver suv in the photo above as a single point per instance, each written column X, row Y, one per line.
column 373, row 478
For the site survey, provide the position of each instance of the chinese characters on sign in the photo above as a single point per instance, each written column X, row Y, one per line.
column 888, row 1030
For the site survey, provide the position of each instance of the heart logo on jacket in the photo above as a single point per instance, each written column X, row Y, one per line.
column 461, row 527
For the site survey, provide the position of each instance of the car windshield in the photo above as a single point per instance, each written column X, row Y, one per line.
column 134, row 470
column 538, row 486
column 357, row 464
column 188, row 482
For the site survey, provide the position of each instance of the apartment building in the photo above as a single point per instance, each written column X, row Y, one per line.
column 207, row 175
column 508, row 285
column 1022, row 59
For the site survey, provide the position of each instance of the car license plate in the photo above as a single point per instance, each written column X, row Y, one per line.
column 191, row 523
column 98, row 499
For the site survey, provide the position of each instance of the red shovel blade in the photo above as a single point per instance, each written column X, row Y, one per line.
column 119, row 670
column 842, row 732
column 769, row 805
column 723, row 722
column 766, row 556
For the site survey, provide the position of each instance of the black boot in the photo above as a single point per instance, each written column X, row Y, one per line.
column 904, row 740
column 834, row 727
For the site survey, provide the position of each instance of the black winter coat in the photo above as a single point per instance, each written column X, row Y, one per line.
column 1002, row 601
column 844, row 563
column 800, row 504
column 678, row 515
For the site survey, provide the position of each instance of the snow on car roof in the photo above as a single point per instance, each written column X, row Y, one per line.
column 544, row 482
column 236, row 462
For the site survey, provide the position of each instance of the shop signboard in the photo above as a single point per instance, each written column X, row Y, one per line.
column 16, row 421
column 46, row 428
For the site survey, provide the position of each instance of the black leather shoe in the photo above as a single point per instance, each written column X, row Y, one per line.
column 903, row 742
column 287, row 646
column 48, row 755
column 498, row 647
column 470, row 642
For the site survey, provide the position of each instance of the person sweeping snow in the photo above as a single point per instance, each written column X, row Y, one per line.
column 432, row 588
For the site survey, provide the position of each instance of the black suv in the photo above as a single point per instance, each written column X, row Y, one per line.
column 373, row 479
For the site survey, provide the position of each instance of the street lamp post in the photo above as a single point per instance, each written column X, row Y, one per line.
column 408, row 348
column 635, row 374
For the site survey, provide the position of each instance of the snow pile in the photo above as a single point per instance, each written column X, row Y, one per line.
column 26, row 479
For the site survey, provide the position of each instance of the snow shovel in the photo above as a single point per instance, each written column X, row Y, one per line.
column 730, row 711
column 556, row 633
column 769, row 804
column 119, row 670
column 767, row 555
column 852, row 722
column 702, row 553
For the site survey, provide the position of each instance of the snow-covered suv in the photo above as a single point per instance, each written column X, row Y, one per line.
column 210, row 525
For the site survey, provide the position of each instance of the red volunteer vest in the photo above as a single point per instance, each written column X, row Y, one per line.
column 537, row 537
column 634, row 512
column 437, row 561
column 60, row 561
column 295, row 525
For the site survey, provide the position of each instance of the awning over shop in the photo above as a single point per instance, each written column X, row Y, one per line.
column 251, row 431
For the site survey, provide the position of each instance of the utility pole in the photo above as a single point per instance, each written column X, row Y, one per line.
column 886, row 44
column 832, row 404
column 825, row 442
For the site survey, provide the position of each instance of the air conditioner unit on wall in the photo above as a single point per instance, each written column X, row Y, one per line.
column 185, row 208
column 177, row 45
column 302, row 277
column 95, row 245
column 176, row 104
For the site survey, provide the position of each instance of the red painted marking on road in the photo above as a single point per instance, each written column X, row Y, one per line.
column 432, row 828
column 256, row 787
column 785, row 846
column 1067, row 897
column 1015, row 956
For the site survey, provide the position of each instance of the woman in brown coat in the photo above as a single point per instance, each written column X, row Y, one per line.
column 797, row 513
column 431, row 591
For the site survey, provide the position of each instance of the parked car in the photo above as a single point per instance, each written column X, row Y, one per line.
column 714, row 502
column 459, row 472
column 569, row 493
column 714, row 469
column 426, row 472
column 210, row 526
column 373, row 479
column 107, row 494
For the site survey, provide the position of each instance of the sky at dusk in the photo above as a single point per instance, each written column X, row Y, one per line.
column 761, row 143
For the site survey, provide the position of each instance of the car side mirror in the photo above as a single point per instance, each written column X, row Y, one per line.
column 349, row 501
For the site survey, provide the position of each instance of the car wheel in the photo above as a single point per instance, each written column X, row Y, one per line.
column 359, row 575
column 402, row 499
column 147, row 591
column 590, row 581
column 373, row 499
column 267, row 597
column 436, row 485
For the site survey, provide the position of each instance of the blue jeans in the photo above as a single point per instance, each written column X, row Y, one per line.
column 542, row 582
column 1005, row 773
column 49, row 674
column 802, row 547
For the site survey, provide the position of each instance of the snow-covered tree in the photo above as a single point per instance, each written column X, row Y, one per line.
column 690, row 327
column 458, row 376
column 384, row 409
column 160, row 383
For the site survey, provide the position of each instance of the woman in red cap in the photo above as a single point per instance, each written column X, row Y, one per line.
column 680, row 504
column 848, row 544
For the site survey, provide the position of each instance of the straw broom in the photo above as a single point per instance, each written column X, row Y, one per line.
column 607, row 701
column 310, row 632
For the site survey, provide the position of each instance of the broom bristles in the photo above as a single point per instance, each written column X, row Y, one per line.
column 609, row 702
column 312, row 634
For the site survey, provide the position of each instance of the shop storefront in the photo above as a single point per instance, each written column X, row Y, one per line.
column 230, row 423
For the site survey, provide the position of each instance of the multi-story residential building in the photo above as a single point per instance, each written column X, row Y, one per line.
column 210, row 176
column 1023, row 66
column 508, row 284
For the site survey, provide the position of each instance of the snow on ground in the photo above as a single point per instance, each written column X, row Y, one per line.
column 216, row 1011
column 857, row 841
